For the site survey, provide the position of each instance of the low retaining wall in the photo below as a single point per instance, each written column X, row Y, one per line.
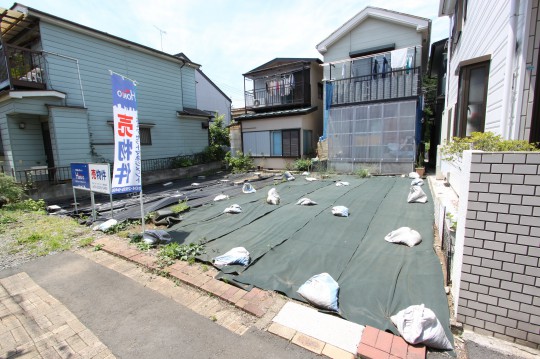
column 65, row 191
column 498, row 281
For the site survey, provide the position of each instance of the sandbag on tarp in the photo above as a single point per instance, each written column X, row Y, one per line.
column 233, row 208
column 311, row 179
column 342, row 183
column 340, row 211
column 220, row 197
column 105, row 226
column 156, row 236
column 237, row 255
column 414, row 175
column 416, row 195
column 288, row 176
column 166, row 217
column 321, row 291
column 306, row 202
column 404, row 235
column 248, row 188
column 273, row 197
column 419, row 325
column 417, row 182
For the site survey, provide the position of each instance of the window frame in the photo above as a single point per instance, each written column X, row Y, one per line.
column 462, row 106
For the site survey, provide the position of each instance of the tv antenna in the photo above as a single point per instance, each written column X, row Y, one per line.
column 161, row 32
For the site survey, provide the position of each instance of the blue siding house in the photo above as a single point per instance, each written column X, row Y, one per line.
column 55, row 94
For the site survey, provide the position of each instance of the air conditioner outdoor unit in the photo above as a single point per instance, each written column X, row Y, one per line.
column 259, row 102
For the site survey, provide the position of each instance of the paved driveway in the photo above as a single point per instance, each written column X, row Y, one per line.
column 91, row 306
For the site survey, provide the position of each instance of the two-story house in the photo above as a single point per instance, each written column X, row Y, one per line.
column 492, row 69
column 55, row 94
column 373, row 67
column 283, row 104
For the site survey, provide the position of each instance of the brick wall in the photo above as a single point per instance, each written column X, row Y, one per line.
column 499, row 291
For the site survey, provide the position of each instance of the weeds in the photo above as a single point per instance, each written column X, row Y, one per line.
column 363, row 173
column 98, row 247
column 182, row 206
column 183, row 252
column 302, row 164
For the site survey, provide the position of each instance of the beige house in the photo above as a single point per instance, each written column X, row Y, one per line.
column 283, row 111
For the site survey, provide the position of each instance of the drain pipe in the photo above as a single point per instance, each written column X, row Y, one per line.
column 507, row 121
column 78, row 71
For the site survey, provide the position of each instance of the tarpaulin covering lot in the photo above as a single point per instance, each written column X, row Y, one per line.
column 289, row 243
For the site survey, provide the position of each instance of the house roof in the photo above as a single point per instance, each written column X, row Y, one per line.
column 183, row 56
column 280, row 61
column 421, row 24
column 13, row 24
column 193, row 112
column 282, row 113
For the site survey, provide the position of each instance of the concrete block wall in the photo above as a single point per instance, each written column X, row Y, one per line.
column 499, row 290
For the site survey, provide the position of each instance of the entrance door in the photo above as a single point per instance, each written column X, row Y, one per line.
column 48, row 148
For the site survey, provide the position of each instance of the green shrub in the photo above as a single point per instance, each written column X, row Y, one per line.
column 10, row 191
column 213, row 153
column 302, row 164
column 182, row 162
column 363, row 173
column 484, row 141
column 28, row 205
column 239, row 163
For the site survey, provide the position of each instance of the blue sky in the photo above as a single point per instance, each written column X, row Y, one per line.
column 229, row 37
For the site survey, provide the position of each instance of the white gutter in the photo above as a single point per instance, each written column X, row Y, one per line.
column 507, row 120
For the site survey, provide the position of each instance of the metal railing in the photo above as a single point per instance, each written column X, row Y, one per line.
column 57, row 175
column 22, row 67
column 390, row 85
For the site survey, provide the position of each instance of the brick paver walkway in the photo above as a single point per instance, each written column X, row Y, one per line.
column 34, row 324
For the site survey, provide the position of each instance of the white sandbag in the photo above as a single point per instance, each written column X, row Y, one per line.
column 419, row 325
column 306, row 173
column 221, row 197
column 288, row 176
column 233, row 208
column 156, row 236
column 404, row 235
column 311, row 179
column 321, row 290
column 105, row 225
column 238, row 255
column 306, row 202
column 414, row 175
column 273, row 197
column 195, row 184
column 340, row 211
column 416, row 195
column 341, row 183
column 417, row 182
column 248, row 188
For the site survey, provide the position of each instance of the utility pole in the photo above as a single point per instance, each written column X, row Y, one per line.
column 161, row 32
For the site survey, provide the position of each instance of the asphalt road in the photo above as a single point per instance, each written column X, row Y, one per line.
column 136, row 322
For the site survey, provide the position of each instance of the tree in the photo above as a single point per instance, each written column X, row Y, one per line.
column 219, row 135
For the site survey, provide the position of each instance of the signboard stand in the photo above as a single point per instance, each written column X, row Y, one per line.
column 93, row 177
column 142, row 211
column 75, row 200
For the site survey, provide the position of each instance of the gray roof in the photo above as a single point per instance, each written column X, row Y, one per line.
column 292, row 112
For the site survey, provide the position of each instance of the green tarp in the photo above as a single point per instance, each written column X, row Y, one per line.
column 289, row 243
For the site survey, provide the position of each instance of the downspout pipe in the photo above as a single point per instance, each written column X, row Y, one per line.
column 507, row 121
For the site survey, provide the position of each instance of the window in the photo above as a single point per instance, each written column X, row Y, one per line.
column 308, row 140
column 278, row 143
column 472, row 94
column 457, row 22
column 144, row 133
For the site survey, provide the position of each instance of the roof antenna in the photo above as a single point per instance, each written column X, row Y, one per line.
column 161, row 32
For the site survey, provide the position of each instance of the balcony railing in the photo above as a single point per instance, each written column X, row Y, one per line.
column 278, row 96
column 22, row 68
column 391, row 85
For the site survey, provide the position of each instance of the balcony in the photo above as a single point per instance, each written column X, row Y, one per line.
column 388, row 86
column 22, row 68
column 281, row 95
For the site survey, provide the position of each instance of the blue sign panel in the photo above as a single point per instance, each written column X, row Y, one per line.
column 80, row 177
